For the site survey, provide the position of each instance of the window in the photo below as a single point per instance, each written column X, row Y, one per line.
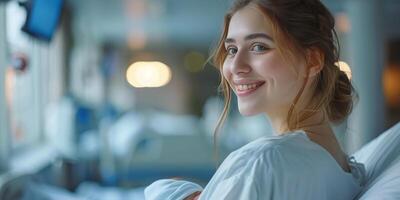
column 3, row 114
column 22, row 87
column 25, row 94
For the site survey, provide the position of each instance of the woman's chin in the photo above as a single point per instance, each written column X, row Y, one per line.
column 248, row 112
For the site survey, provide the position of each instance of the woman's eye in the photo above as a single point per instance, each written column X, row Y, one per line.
column 231, row 50
column 259, row 48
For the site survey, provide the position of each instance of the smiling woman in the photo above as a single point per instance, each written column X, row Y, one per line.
column 278, row 57
column 253, row 61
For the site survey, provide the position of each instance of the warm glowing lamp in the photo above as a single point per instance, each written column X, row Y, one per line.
column 148, row 74
column 391, row 85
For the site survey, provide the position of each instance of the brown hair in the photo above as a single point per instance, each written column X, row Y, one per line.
column 298, row 25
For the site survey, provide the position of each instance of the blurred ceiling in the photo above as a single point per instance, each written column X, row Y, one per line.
column 184, row 22
column 180, row 22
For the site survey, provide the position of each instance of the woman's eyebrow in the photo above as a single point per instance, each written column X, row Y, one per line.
column 258, row 35
column 250, row 37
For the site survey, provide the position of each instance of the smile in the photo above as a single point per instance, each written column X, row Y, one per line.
column 246, row 89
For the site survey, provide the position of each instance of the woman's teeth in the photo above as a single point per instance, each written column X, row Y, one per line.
column 246, row 87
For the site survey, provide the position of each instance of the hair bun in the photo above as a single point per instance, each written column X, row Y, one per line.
column 341, row 104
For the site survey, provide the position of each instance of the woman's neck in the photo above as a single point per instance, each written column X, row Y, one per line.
column 324, row 136
column 313, row 123
column 319, row 131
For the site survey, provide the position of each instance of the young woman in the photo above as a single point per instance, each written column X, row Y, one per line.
column 278, row 57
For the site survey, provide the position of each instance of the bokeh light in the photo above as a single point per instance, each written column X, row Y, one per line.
column 343, row 66
column 148, row 74
column 194, row 61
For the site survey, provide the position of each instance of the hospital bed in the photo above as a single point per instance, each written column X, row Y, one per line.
column 381, row 158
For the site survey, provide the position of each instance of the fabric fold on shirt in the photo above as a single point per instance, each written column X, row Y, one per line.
column 170, row 189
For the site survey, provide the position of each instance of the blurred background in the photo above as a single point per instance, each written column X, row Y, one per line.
column 99, row 98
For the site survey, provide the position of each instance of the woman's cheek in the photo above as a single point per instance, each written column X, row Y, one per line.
column 277, row 70
column 225, row 70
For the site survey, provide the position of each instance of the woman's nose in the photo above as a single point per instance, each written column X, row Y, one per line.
column 240, row 64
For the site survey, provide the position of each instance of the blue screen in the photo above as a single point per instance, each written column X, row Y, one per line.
column 43, row 18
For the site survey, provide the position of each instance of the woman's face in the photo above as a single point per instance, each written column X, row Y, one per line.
column 262, row 79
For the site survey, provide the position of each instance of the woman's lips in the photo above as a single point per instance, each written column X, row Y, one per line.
column 246, row 89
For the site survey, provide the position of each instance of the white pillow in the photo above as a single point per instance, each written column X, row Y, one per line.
column 386, row 186
column 378, row 154
column 381, row 158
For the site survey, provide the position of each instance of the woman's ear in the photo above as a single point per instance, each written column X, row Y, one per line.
column 315, row 61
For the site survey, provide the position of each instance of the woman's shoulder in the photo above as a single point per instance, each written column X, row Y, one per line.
column 291, row 143
column 291, row 152
column 272, row 158
column 268, row 163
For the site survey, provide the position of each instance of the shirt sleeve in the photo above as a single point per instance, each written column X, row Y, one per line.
column 170, row 189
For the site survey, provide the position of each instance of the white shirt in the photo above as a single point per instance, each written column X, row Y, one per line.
column 285, row 167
